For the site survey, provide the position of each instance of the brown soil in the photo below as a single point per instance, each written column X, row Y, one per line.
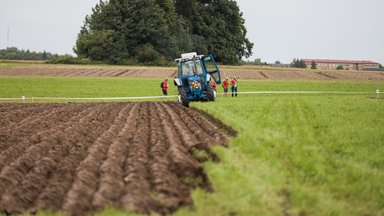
column 81, row 158
column 73, row 71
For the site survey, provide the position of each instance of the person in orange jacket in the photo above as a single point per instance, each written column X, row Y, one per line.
column 164, row 87
column 225, row 85
column 234, row 86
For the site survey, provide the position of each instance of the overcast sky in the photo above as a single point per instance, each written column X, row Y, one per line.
column 280, row 29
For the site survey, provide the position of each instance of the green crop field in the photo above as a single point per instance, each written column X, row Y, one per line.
column 299, row 155
column 35, row 86
column 295, row 154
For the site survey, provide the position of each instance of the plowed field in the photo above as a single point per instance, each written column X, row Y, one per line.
column 81, row 158
column 155, row 72
column 87, row 71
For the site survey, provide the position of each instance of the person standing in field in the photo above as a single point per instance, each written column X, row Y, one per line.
column 164, row 87
column 234, row 87
column 225, row 85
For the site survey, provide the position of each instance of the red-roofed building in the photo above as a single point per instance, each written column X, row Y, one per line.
column 326, row 64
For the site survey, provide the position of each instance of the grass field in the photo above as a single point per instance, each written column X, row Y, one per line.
column 295, row 154
column 79, row 87
column 40, row 86
column 299, row 155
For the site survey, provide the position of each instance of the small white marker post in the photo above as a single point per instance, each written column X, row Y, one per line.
column 378, row 93
column 23, row 99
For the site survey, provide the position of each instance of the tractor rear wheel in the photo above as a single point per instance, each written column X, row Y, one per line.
column 183, row 97
column 210, row 92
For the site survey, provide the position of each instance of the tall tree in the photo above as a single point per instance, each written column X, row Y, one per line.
column 44, row 55
column 102, row 45
column 167, row 6
column 313, row 65
column 298, row 63
column 129, row 25
column 186, row 8
column 220, row 28
column 155, row 29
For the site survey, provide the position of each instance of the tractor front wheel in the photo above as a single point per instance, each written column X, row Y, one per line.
column 210, row 92
column 183, row 97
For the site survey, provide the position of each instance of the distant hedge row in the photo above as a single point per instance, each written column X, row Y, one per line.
column 12, row 53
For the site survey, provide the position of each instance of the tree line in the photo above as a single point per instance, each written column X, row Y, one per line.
column 296, row 63
column 13, row 53
column 157, row 31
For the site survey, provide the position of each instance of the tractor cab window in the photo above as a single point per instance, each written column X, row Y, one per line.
column 190, row 68
column 199, row 69
column 212, row 69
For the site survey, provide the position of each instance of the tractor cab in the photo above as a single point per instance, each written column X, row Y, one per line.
column 196, row 75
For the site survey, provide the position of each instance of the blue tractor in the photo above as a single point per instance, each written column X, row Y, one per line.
column 197, row 76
